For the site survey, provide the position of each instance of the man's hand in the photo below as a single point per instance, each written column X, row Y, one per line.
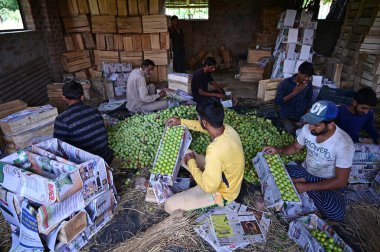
column 299, row 88
column 302, row 187
column 270, row 150
column 162, row 93
column 189, row 156
column 173, row 121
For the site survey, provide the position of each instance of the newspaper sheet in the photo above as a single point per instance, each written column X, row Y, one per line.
column 29, row 237
column 10, row 205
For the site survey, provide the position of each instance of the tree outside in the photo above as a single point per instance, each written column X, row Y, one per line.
column 10, row 15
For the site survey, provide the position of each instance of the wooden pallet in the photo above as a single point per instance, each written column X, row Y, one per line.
column 155, row 23
column 129, row 24
column 75, row 61
column 103, row 24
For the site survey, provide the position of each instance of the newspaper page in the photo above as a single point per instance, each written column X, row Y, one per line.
column 161, row 191
column 100, row 204
column 10, row 207
column 28, row 184
column 29, row 237
column 50, row 216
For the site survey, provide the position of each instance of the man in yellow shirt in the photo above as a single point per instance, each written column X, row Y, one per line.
column 219, row 173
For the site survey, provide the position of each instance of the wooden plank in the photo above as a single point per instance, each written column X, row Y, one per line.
column 88, row 40
column 122, row 8
column 129, row 24
column 73, row 227
column 254, row 55
column 164, row 41
column 105, row 56
column 143, row 7
column 94, row 7
column 145, row 42
column 136, row 43
column 133, row 9
column 100, row 41
column 112, row 7
column 118, row 42
column 103, row 24
column 83, row 7
column 159, row 57
column 109, row 42
column 76, row 24
column 72, row 7
column 127, row 43
column 155, row 7
column 103, row 7
column 11, row 107
column 155, row 41
column 162, row 73
column 135, row 58
column 78, row 41
column 69, row 43
column 154, row 23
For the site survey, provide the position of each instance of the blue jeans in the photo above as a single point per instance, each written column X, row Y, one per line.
column 331, row 203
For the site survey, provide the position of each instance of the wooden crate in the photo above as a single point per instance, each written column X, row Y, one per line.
column 94, row 7
column 100, row 41
column 155, row 23
column 129, row 24
column 164, row 41
column 136, row 43
column 143, row 7
column 88, row 40
column 162, row 73
column 83, row 7
column 133, row 7
column 122, row 8
column 75, row 61
column 159, row 57
column 254, row 55
column 267, row 89
column 76, row 24
column 155, row 7
column 251, row 73
column 105, row 56
column 334, row 69
column 28, row 122
column 118, row 42
column 155, row 41
column 145, row 42
column 135, row 58
column 11, row 107
column 103, row 24
column 110, row 44
column 127, row 43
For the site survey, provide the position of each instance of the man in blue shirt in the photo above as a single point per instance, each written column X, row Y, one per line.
column 294, row 96
column 359, row 115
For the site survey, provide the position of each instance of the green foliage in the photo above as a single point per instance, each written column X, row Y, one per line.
column 10, row 5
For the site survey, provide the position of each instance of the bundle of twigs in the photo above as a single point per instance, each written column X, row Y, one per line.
column 5, row 234
column 177, row 229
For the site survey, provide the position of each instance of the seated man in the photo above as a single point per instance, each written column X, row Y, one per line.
column 294, row 97
column 140, row 97
column 324, row 174
column 81, row 125
column 201, row 80
column 220, row 173
column 359, row 115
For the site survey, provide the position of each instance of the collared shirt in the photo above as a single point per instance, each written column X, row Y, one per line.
column 83, row 126
column 137, row 92
column 296, row 107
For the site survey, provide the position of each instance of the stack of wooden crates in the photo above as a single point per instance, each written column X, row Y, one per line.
column 115, row 31
column 250, row 70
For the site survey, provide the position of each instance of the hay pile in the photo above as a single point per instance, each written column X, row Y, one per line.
column 175, row 230
column 361, row 226
column 5, row 234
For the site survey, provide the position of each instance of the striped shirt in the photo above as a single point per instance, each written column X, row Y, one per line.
column 83, row 126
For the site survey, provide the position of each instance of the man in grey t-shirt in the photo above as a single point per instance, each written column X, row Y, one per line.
column 324, row 174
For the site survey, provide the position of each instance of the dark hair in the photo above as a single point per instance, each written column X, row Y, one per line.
column 147, row 62
column 174, row 17
column 72, row 90
column 209, row 61
column 366, row 96
column 212, row 111
column 306, row 68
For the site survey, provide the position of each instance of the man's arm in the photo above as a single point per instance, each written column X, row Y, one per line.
column 369, row 127
column 143, row 92
column 204, row 93
column 339, row 181
column 209, row 180
column 217, row 87
column 190, row 124
column 288, row 150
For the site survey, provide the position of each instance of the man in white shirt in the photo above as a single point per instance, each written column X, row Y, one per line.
column 324, row 174
column 140, row 97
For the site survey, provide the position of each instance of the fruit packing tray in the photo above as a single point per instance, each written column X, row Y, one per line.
column 300, row 231
column 272, row 194
column 184, row 145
